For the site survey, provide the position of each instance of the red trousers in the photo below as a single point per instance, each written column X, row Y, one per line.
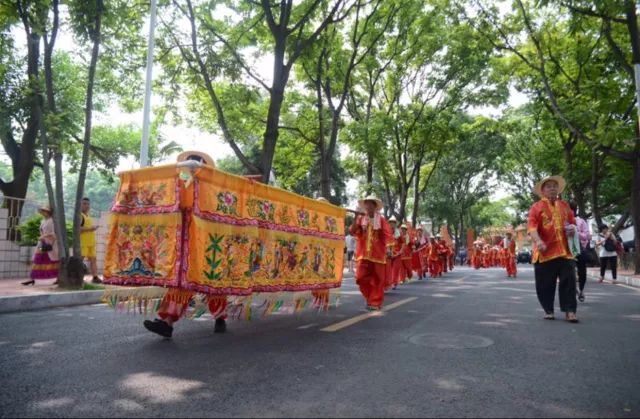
column 444, row 264
column 175, row 304
column 406, row 270
column 371, row 278
column 511, row 265
column 435, row 267
column 396, row 271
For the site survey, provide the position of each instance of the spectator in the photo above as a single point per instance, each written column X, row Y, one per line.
column 581, row 261
column 45, row 261
column 606, row 245
column 88, row 240
column 350, row 243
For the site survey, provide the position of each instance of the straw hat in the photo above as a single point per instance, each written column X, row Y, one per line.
column 45, row 208
column 561, row 184
column 203, row 157
column 393, row 219
column 403, row 226
column 373, row 198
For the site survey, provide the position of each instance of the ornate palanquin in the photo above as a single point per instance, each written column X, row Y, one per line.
column 214, row 233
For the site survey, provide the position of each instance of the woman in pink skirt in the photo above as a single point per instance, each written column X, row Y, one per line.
column 46, row 260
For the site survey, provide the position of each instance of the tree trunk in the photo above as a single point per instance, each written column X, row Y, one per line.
column 416, row 197
column 329, row 153
column 595, row 182
column 280, row 78
column 23, row 155
column 635, row 211
column 75, row 272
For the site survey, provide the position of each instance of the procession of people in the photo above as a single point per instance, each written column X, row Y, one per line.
column 383, row 253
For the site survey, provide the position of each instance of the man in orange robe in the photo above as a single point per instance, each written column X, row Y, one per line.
column 406, row 271
column 434, row 258
column 373, row 234
column 396, row 254
column 443, row 253
column 418, row 260
column 509, row 247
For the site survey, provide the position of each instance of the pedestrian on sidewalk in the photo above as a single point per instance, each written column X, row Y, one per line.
column 350, row 243
column 551, row 223
column 606, row 245
column 45, row 261
column 584, row 235
column 374, row 246
column 88, row 240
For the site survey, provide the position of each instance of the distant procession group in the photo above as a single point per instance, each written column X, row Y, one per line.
column 387, row 255
column 503, row 254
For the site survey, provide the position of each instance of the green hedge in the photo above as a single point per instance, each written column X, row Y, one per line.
column 30, row 231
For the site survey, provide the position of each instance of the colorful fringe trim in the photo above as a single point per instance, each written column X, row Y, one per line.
column 146, row 301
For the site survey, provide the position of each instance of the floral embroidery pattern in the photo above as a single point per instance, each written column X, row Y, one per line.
column 262, row 209
column 331, row 224
column 227, row 203
column 303, row 218
column 142, row 249
column 144, row 195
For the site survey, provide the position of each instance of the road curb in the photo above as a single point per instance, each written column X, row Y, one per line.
column 12, row 304
column 622, row 279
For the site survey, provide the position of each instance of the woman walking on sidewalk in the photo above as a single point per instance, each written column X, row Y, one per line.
column 45, row 260
column 606, row 243
column 585, row 238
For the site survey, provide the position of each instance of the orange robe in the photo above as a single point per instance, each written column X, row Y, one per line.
column 371, row 258
column 510, row 257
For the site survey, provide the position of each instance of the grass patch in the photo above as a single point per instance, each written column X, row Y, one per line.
column 92, row 287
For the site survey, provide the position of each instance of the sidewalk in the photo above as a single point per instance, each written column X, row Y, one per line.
column 17, row 297
column 624, row 276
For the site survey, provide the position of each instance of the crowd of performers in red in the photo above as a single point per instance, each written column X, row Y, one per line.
column 503, row 254
column 414, row 251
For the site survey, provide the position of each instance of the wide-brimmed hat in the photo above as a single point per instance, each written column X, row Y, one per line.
column 393, row 219
column 373, row 198
column 404, row 226
column 189, row 155
column 45, row 208
column 561, row 184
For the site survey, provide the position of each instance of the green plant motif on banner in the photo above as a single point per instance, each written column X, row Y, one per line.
column 332, row 225
column 212, row 261
column 314, row 221
column 283, row 215
column 227, row 203
column 262, row 209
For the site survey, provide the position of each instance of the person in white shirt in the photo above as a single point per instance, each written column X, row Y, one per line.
column 605, row 243
column 350, row 243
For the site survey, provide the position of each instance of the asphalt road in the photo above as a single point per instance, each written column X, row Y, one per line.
column 470, row 344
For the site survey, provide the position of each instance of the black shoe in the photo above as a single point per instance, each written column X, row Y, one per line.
column 96, row 280
column 159, row 326
column 581, row 297
column 28, row 282
column 220, row 327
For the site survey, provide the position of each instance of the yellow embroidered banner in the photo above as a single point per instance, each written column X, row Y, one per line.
column 221, row 234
